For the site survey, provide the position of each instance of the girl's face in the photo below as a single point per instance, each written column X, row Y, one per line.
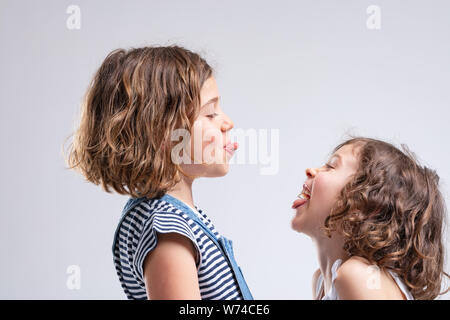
column 210, row 148
column 322, row 188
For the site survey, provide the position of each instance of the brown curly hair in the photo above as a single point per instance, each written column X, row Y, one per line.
column 393, row 214
column 136, row 99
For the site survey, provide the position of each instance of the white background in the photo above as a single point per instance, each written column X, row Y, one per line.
column 311, row 69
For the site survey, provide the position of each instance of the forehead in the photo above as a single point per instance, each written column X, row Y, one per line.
column 348, row 155
column 209, row 90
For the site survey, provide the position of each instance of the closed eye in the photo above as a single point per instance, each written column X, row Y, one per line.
column 328, row 166
column 212, row 116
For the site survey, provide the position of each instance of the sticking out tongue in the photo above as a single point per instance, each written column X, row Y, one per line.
column 297, row 203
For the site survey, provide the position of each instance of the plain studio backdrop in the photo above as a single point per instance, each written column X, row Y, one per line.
column 313, row 70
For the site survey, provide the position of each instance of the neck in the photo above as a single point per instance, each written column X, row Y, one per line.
column 183, row 191
column 329, row 250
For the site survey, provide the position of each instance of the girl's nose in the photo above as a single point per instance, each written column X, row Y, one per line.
column 311, row 172
column 227, row 124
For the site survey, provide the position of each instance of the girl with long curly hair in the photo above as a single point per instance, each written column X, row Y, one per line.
column 376, row 217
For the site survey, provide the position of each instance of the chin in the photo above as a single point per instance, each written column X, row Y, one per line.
column 296, row 226
column 217, row 170
column 299, row 225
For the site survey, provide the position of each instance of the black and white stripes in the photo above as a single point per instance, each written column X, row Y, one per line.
column 137, row 236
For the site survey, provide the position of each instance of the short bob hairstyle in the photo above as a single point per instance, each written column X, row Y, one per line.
column 392, row 213
column 136, row 99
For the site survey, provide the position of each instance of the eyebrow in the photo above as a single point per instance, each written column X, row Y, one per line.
column 215, row 99
column 337, row 156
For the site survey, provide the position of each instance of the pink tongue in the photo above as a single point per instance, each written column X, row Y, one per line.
column 298, row 202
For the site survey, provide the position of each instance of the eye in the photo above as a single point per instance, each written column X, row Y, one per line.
column 212, row 116
column 328, row 166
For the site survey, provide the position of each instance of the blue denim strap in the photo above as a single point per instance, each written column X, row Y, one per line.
column 223, row 244
column 228, row 247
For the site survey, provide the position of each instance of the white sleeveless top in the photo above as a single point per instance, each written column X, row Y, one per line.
column 332, row 294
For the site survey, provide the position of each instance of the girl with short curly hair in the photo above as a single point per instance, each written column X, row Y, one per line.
column 139, row 105
column 376, row 217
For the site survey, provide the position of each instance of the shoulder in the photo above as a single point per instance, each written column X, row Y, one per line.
column 145, row 215
column 146, row 224
column 316, row 275
column 352, row 265
column 356, row 278
column 315, row 279
column 161, row 213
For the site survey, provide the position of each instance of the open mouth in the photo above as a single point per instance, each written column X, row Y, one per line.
column 304, row 197
column 305, row 194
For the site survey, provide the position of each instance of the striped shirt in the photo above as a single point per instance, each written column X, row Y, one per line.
column 136, row 236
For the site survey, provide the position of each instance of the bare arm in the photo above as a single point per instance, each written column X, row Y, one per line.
column 170, row 272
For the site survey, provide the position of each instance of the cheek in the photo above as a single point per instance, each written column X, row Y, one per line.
column 206, row 150
column 207, row 132
column 325, row 192
column 203, row 136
